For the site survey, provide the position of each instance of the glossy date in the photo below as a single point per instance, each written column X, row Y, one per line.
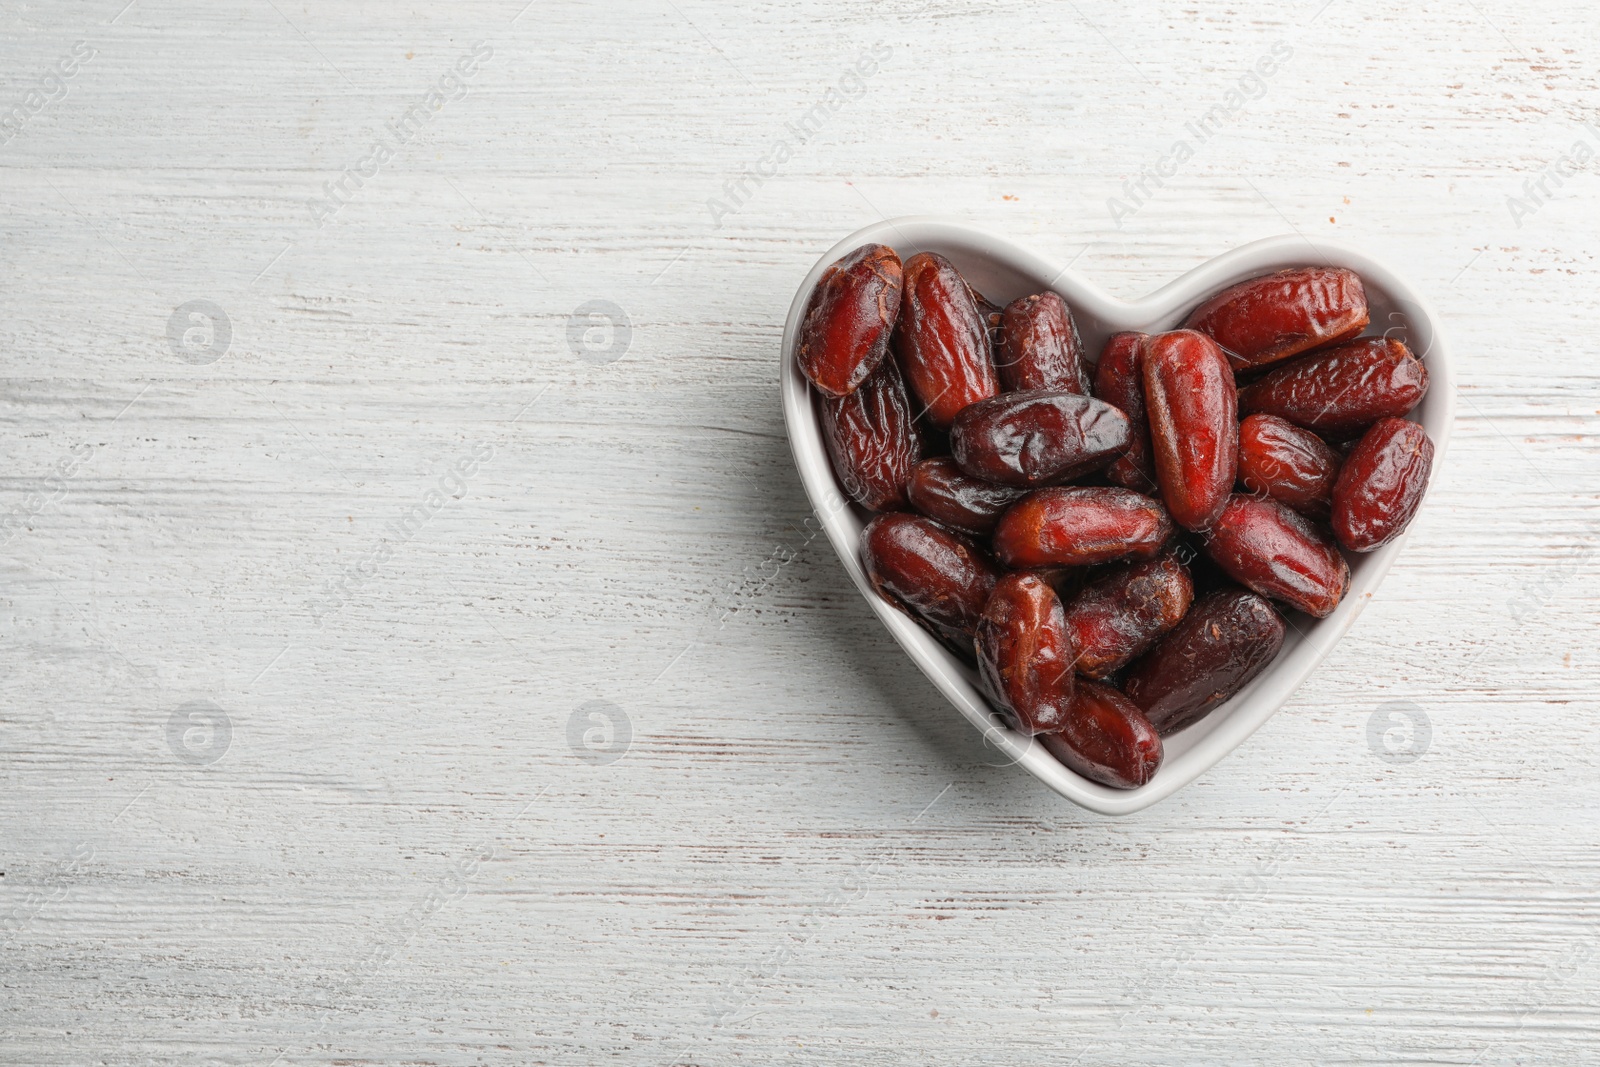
column 1192, row 406
column 1117, row 616
column 1106, row 738
column 847, row 325
column 1037, row 437
column 1295, row 467
column 1227, row 638
column 1382, row 484
column 1025, row 654
column 1342, row 391
column 1267, row 319
column 1039, row 346
column 1276, row 552
column 1078, row 527
column 942, row 341
column 944, row 492
column 938, row 577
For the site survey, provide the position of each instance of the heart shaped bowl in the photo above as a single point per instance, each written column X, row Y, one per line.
column 1003, row 271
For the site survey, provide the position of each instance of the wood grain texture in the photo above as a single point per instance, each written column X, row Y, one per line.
column 405, row 852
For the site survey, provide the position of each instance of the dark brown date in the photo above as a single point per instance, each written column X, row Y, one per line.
column 1295, row 467
column 1192, row 405
column 1280, row 315
column 1106, row 738
column 936, row 576
column 1342, row 391
column 872, row 439
column 1080, row 527
column 1267, row 548
column 1381, row 485
column 849, row 320
column 942, row 491
column 1117, row 616
column 1227, row 638
column 942, row 340
column 1040, row 348
column 1025, row 654
column 1037, row 438
column 1119, row 381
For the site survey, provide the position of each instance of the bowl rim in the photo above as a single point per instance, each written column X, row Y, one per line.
column 1310, row 641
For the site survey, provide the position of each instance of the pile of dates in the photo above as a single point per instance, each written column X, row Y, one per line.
column 1111, row 543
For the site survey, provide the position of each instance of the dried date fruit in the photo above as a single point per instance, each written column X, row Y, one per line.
column 1192, row 406
column 1342, row 391
column 1295, row 467
column 1118, row 615
column 934, row 575
column 1273, row 551
column 1037, row 438
column 1025, row 654
column 1079, row 527
column 942, row 340
column 1267, row 319
column 1106, row 738
column 1381, row 485
column 850, row 319
column 872, row 439
column 1227, row 638
column 1040, row 348
column 1119, row 381
column 942, row 491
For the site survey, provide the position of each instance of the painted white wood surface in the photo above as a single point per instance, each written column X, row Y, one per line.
column 396, row 843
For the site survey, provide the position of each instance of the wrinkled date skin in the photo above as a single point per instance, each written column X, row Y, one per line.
column 1192, row 405
column 1381, row 484
column 1342, row 391
column 1118, row 616
column 850, row 319
column 1040, row 348
column 1106, row 738
column 1266, row 319
column 1037, row 438
column 936, row 576
column 1119, row 381
column 1079, row 527
column 1025, row 654
column 1273, row 551
column 1227, row 638
column 872, row 439
column 942, row 340
column 1295, row 467
column 943, row 492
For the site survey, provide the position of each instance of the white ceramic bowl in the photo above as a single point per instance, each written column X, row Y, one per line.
column 1003, row 271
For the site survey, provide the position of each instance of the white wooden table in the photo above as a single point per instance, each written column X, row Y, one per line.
column 401, row 666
